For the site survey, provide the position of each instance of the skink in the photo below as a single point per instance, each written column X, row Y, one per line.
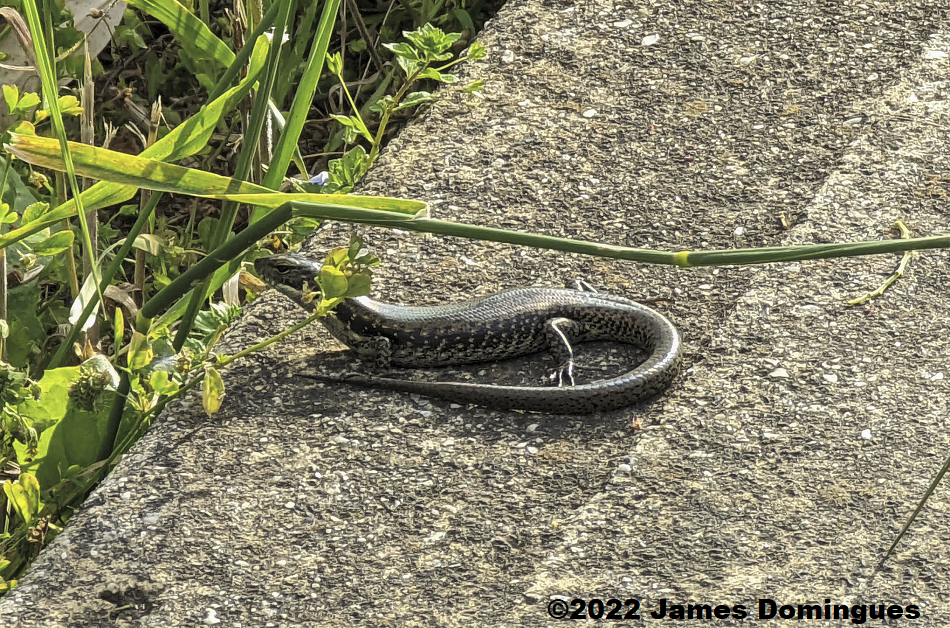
column 508, row 324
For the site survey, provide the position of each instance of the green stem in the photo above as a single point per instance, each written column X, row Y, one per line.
column 107, row 277
column 241, row 59
column 245, row 159
column 217, row 258
column 107, row 444
column 683, row 259
column 384, row 121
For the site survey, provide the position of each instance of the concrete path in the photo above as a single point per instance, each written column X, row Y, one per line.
column 779, row 467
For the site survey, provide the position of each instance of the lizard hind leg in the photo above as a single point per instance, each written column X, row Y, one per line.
column 560, row 331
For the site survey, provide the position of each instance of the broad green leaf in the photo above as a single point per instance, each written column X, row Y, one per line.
column 81, row 432
column 21, row 497
column 212, row 393
column 27, row 102
column 11, row 94
column 190, row 31
column 68, row 435
column 359, row 284
column 414, row 99
column 160, row 384
column 351, row 167
column 70, row 105
column 332, row 282
column 140, row 354
column 26, row 330
column 55, row 244
column 35, row 211
column 337, row 256
column 48, row 410
column 32, row 489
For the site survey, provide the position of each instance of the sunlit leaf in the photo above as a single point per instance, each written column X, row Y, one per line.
column 212, row 393
column 359, row 284
column 11, row 94
column 476, row 51
column 140, row 354
column 414, row 99
column 55, row 244
column 27, row 102
column 332, row 282
column 34, row 212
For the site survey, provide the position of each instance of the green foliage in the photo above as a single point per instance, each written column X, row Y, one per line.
column 418, row 57
column 19, row 106
column 347, row 171
column 66, row 433
column 66, row 428
column 132, row 31
column 24, row 496
column 345, row 274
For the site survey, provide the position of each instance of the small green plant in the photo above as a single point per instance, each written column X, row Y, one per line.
column 418, row 58
column 345, row 274
column 88, row 361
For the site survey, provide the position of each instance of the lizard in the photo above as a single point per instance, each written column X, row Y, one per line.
column 510, row 323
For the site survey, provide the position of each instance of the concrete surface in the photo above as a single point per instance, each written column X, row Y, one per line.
column 780, row 465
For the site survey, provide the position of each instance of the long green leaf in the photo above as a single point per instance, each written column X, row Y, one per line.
column 47, row 71
column 303, row 99
column 380, row 211
column 249, row 150
column 186, row 139
column 150, row 174
column 190, row 31
column 240, row 60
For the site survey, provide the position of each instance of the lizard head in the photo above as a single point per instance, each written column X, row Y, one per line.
column 289, row 274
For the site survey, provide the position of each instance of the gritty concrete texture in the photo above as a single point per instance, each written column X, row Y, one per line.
column 779, row 466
